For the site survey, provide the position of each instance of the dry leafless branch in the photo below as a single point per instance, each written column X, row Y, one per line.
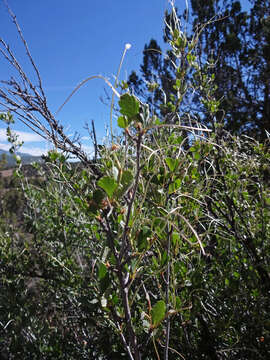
column 26, row 99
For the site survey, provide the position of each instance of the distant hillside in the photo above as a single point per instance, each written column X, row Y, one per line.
column 26, row 158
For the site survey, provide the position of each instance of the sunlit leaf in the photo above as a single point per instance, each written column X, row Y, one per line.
column 108, row 184
column 174, row 186
column 177, row 303
column 164, row 258
column 129, row 105
column 122, row 122
column 103, row 276
column 158, row 312
column 172, row 163
column 102, row 271
column 127, row 178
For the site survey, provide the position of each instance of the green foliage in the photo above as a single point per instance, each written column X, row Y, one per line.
column 108, row 184
column 234, row 53
column 129, row 106
column 122, row 122
column 165, row 247
column 205, row 218
column 240, row 40
column 7, row 118
column 158, row 312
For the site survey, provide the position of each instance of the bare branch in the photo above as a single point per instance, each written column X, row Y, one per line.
column 14, row 19
column 21, row 97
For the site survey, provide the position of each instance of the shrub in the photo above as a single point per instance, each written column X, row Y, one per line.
column 156, row 248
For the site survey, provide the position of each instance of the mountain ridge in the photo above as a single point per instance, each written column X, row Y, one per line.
column 10, row 160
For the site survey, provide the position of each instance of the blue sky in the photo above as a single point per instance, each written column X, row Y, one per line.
column 70, row 41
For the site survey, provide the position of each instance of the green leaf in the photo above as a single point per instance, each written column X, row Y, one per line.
column 127, row 178
column 155, row 262
column 102, row 271
column 122, row 122
column 7, row 117
column 172, row 163
column 245, row 195
column 115, row 299
column 175, row 238
column 164, row 258
column 174, row 186
column 129, row 105
column 177, row 83
column 104, row 279
column 158, row 312
column 194, row 174
column 53, row 155
column 191, row 58
column 177, row 303
column 108, row 184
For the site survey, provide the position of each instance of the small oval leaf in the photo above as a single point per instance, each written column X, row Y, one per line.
column 108, row 184
column 129, row 105
column 122, row 122
column 158, row 312
column 172, row 163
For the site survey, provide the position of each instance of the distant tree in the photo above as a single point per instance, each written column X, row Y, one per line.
column 239, row 43
column 156, row 86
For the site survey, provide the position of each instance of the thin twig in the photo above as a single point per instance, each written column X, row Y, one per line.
column 82, row 83
column 127, row 46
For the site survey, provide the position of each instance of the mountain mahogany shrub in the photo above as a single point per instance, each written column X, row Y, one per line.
column 231, row 308
column 188, row 248
column 55, row 314
column 158, row 253
column 125, row 249
column 178, row 250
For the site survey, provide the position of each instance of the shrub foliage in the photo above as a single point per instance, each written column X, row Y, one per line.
column 157, row 250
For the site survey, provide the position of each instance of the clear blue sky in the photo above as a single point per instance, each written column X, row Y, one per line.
column 71, row 40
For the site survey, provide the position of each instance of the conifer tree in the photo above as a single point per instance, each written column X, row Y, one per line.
column 237, row 39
